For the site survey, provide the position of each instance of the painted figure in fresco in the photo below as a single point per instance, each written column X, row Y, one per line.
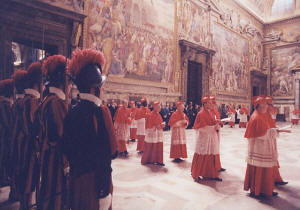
column 127, row 42
column 283, row 84
column 107, row 47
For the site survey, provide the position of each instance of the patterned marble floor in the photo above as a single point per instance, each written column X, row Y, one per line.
column 138, row 187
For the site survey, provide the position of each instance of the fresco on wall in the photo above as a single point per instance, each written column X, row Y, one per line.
column 256, row 52
column 136, row 36
column 194, row 23
column 283, row 61
column 76, row 5
column 230, row 70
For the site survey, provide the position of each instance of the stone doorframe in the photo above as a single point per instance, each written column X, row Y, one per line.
column 193, row 52
column 296, row 73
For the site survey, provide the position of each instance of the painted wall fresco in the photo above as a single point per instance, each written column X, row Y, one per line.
column 194, row 23
column 136, row 36
column 284, row 60
column 247, row 26
column 287, row 32
column 76, row 5
column 230, row 70
column 256, row 52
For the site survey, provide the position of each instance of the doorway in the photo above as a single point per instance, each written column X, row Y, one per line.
column 194, row 82
column 255, row 91
column 258, row 83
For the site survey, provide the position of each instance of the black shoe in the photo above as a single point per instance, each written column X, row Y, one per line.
column 218, row 179
column 274, row 193
column 125, row 153
column 281, row 183
column 222, row 170
column 160, row 164
column 198, row 179
column 177, row 160
column 132, row 140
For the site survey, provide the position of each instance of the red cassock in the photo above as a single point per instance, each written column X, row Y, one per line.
column 122, row 122
column 206, row 160
column 295, row 117
column 140, row 118
column 133, row 124
column 153, row 146
column 178, row 122
column 216, row 115
column 231, row 113
column 262, row 155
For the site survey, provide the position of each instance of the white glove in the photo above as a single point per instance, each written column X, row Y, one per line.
column 105, row 203
column 66, row 170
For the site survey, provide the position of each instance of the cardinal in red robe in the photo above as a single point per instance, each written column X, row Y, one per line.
column 140, row 118
column 295, row 116
column 153, row 146
column 122, row 122
column 178, row 123
column 133, row 124
column 262, row 152
column 243, row 117
column 231, row 114
column 206, row 165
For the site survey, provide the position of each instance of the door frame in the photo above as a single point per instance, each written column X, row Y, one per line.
column 39, row 23
column 200, row 85
column 257, row 79
column 193, row 52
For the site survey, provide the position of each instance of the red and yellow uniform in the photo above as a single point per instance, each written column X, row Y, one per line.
column 89, row 138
